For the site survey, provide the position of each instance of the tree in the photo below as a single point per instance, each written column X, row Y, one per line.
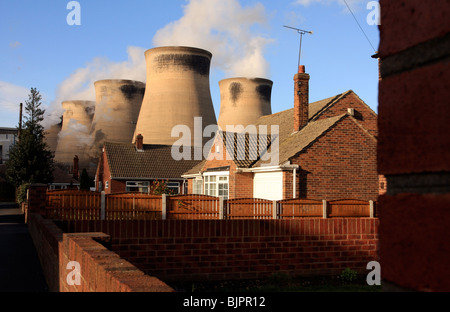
column 85, row 181
column 30, row 161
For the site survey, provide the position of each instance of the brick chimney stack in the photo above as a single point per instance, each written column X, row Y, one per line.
column 301, row 99
column 139, row 142
column 75, row 172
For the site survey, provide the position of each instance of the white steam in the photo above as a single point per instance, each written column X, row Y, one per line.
column 80, row 84
column 226, row 29
column 223, row 27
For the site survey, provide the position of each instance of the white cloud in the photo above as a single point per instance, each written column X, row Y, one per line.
column 11, row 96
column 227, row 30
column 80, row 84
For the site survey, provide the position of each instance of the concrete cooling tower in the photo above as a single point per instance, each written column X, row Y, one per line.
column 74, row 136
column 243, row 101
column 51, row 136
column 118, row 103
column 177, row 91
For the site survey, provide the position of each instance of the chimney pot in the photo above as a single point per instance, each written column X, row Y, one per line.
column 139, row 142
column 301, row 69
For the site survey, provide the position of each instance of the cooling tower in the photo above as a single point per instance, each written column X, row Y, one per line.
column 51, row 136
column 177, row 91
column 118, row 103
column 243, row 101
column 74, row 136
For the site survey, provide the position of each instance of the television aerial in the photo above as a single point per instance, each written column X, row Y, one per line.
column 301, row 32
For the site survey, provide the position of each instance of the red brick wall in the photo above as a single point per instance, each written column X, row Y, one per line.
column 365, row 116
column 339, row 165
column 175, row 250
column 414, row 141
column 101, row 270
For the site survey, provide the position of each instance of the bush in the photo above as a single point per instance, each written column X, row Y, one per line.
column 349, row 275
column 22, row 193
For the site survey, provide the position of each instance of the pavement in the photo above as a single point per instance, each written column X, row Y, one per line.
column 20, row 269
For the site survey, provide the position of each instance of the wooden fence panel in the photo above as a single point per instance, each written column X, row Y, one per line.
column 73, row 205
column 133, row 206
column 84, row 205
column 193, row 207
column 348, row 208
column 300, row 208
column 248, row 208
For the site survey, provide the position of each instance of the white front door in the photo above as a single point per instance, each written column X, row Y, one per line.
column 268, row 185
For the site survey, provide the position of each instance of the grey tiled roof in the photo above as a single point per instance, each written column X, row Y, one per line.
column 154, row 162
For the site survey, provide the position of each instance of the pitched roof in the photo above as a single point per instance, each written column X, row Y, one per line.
column 154, row 162
column 298, row 141
column 291, row 143
column 61, row 176
column 245, row 148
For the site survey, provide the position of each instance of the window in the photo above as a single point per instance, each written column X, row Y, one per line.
column 174, row 186
column 216, row 186
column 137, row 186
column 197, row 187
column 106, row 184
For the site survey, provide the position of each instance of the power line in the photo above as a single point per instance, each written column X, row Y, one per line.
column 359, row 26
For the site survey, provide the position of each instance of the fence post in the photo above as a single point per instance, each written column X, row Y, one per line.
column 164, row 206
column 372, row 214
column 103, row 206
column 275, row 210
column 324, row 209
column 221, row 211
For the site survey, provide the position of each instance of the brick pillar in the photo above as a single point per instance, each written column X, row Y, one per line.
column 301, row 99
column 413, row 145
column 36, row 199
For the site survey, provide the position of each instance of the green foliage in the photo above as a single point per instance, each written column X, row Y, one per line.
column 30, row 161
column 22, row 193
column 349, row 275
column 85, row 181
column 159, row 188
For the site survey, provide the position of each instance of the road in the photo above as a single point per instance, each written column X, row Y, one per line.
column 20, row 270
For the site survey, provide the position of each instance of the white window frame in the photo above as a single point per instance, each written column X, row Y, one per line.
column 197, row 186
column 215, row 187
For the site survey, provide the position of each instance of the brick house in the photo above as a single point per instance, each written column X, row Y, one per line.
column 133, row 168
column 323, row 150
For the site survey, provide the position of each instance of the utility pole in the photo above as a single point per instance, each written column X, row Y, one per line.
column 20, row 121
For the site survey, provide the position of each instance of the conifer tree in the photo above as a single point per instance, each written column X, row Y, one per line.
column 30, row 161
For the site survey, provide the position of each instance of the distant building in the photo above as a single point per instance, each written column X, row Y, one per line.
column 134, row 167
column 8, row 138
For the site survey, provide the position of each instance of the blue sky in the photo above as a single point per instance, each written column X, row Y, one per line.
column 247, row 38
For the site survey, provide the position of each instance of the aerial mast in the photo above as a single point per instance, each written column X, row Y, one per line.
column 301, row 32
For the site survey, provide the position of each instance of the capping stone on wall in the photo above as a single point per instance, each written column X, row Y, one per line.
column 101, row 270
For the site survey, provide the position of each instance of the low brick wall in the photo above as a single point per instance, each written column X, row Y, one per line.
column 175, row 250
column 99, row 270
